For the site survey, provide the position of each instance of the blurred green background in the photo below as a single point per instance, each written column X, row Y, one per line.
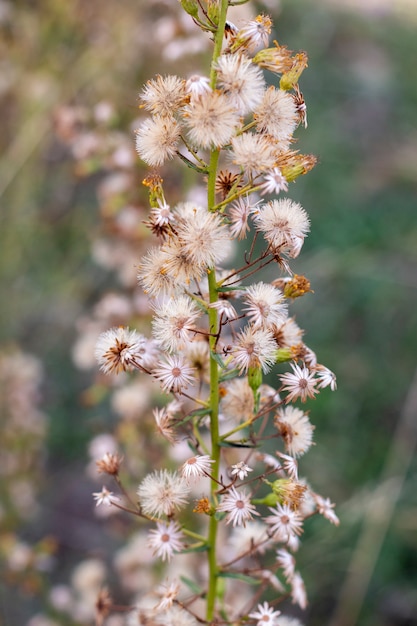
column 361, row 257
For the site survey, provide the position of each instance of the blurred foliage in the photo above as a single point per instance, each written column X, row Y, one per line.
column 362, row 258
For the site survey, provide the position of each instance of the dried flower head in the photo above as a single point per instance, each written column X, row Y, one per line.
column 196, row 467
column 105, row 497
column 168, row 594
column 225, row 181
column 166, row 540
column 240, row 470
column 265, row 615
column 286, row 562
column 164, row 424
column 109, row 464
column 153, row 273
column 300, row 384
column 284, row 522
column 103, row 605
column 175, row 375
column 119, row 349
column 253, row 34
column 238, row 506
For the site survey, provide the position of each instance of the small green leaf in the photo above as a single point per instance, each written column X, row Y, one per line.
column 201, row 548
column 239, row 576
column 192, row 585
column 236, row 444
column 224, row 288
column 229, row 375
column 201, row 412
column 216, row 357
column 196, row 413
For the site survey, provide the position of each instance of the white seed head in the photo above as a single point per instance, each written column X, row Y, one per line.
column 157, row 139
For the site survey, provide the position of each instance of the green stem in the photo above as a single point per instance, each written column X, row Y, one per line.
column 211, row 187
column 215, row 451
column 218, row 41
column 214, row 371
column 194, row 535
column 237, row 429
column 213, row 329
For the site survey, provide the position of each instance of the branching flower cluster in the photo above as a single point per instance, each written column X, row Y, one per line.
column 237, row 504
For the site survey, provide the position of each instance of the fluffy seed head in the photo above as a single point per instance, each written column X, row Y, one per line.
column 153, row 273
column 253, row 153
column 157, row 139
column 241, row 80
column 285, row 224
column 277, row 115
column 265, row 305
column 254, row 348
column 163, row 95
column 173, row 322
column 203, row 237
column 162, row 493
column 254, row 34
column 212, row 119
column 295, row 429
column 237, row 400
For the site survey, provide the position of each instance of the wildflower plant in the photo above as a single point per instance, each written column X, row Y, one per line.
column 237, row 508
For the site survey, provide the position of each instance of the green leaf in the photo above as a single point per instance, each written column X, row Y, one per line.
column 228, row 288
column 219, row 515
column 201, row 548
column 218, row 359
column 229, row 375
column 236, row 444
column 239, row 576
column 201, row 412
column 197, row 413
column 192, row 585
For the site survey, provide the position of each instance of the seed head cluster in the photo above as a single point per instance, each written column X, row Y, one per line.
column 217, row 330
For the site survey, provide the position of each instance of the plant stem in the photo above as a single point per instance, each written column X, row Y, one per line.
column 213, row 329
column 215, row 450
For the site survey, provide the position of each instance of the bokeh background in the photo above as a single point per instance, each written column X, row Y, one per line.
column 71, row 199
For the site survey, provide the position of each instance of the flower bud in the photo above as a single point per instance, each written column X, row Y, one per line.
column 213, row 11
column 154, row 184
column 283, row 355
column 269, row 500
column 255, row 378
column 190, row 7
column 290, row 78
column 296, row 287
